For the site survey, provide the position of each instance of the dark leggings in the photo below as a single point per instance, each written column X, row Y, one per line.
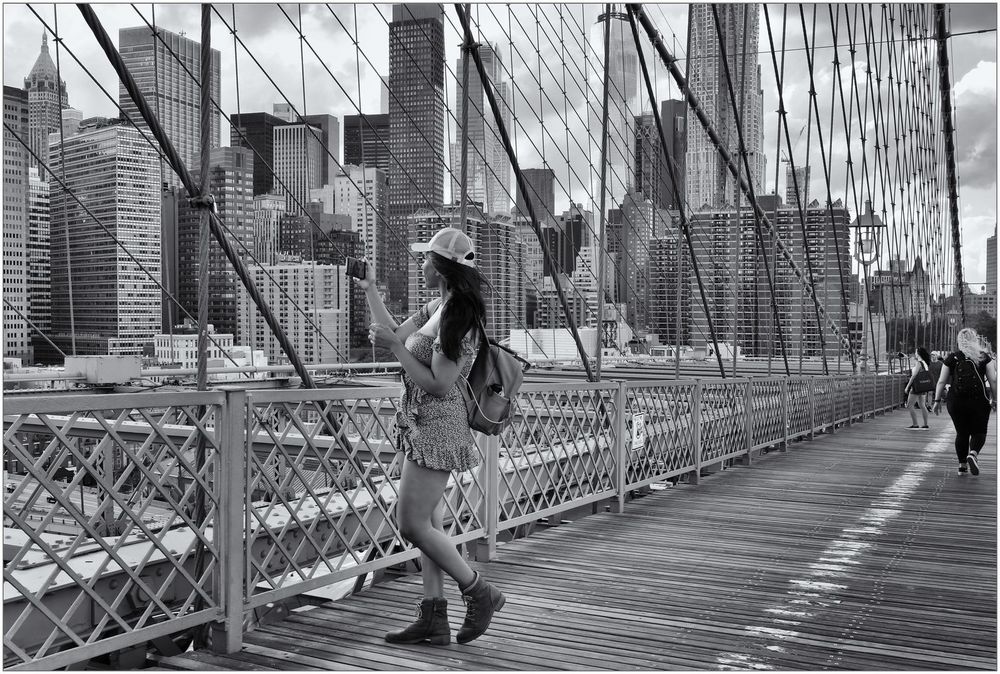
column 971, row 419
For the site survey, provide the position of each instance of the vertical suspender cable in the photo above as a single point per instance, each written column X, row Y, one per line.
column 62, row 169
column 603, row 236
column 178, row 166
column 949, row 151
column 522, row 185
column 464, row 180
column 204, row 229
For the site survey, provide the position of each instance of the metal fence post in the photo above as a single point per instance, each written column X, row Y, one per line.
column 696, row 431
column 812, row 409
column 486, row 547
column 748, row 415
column 784, row 414
column 227, row 635
column 621, row 451
column 850, row 404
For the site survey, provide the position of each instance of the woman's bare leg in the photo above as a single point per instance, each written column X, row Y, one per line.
column 420, row 493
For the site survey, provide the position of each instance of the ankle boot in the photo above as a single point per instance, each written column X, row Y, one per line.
column 482, row 600
column 431, row 625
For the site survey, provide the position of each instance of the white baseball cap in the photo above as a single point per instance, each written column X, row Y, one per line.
column 449, row 243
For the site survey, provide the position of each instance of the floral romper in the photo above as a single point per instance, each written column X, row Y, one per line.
column 434, row 432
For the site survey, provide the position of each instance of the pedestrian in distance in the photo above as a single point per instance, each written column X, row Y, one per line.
column 435, row 347
column 969, row 403
column 920, row 384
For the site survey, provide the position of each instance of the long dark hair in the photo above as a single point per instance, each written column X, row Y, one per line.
column 925, row 356
column 465, row 308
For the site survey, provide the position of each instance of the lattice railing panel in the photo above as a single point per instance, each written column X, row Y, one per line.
column 799, row 407
column 110, row 511
column 323, row 477
column 723, row 420
column 767, row 417
column 667, row 415
column 558, row 450
column 844, row 405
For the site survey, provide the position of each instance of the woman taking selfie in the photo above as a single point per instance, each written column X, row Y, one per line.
column 436, row 346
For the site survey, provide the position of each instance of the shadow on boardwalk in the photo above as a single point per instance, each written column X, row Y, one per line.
column 860, row 550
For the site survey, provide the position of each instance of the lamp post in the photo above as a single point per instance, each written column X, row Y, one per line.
column 867, row 228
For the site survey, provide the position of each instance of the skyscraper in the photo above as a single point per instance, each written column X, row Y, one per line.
column 652, row 177
column 39, row 282
column 231, row 182
column 416, row 136
column 46, row 99
column 15, row 222
column 802, row 177
column 488, row 167
column 298, row 164
column 329, row 139
column 541, row 191
column 708, row 178
column 257, row 129
column 638, row 228
column 991, row 263
column 623, row 102
column 367, row 211
column 116, row 306
column 171, row 92
column 366, row 141
column 267, row 212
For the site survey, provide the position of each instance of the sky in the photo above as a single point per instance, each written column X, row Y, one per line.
column 542, row 39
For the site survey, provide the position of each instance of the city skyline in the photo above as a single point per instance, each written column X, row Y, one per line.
column 263, row 27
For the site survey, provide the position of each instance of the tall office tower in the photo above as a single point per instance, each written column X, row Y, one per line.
column 802, row 177
column 488, row 167
column 531, row 266
column 383, row 98
column 15, row 222
column 256, row 130
column 567, row 234
column 652, row 177
column 173, row 94
column 326, row 238
column 615, row 245
column 297, row 164
column 416, row 121
column 541, row 189
column 670, row 287
column 329, row 139
column 46, row 99
column 322, row 294
column 267, row 212
column 499, row 253
column 170, row 205
column 231, row 181
column 624, row 102
column 638, row 227
column 39, row 285
column 367, row 210
column 116, row 306
column 366, row 141
column 709, row 181
column 991, row 263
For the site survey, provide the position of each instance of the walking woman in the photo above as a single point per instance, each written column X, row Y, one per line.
column 436, row 346
column 968, row 401
column 921, row 383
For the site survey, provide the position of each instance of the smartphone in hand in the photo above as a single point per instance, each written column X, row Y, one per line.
column 356, row 268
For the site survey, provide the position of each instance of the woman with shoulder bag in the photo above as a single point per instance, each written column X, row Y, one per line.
column 921, row 382
column 969, row 404
column 435, row 347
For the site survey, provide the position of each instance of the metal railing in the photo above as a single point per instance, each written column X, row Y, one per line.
column 117, row 533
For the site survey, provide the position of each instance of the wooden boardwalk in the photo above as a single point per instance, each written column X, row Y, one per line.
column 863, row 549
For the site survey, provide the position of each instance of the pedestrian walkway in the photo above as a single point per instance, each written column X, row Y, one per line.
column 863, row 549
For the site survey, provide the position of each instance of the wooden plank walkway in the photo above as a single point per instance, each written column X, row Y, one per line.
column 860, row 550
